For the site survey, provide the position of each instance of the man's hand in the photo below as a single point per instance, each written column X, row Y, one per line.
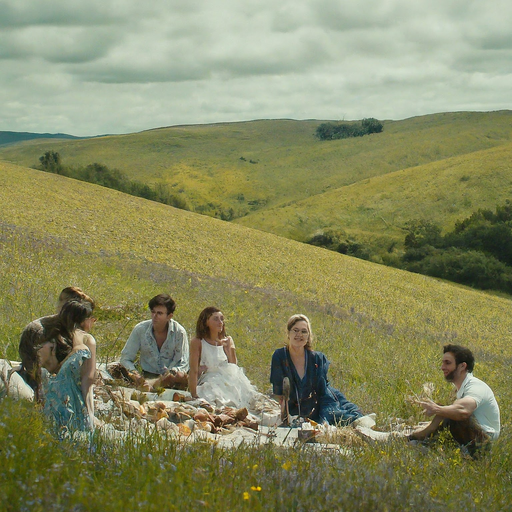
column 461, row 409
column 136, row 377
column 429, row 407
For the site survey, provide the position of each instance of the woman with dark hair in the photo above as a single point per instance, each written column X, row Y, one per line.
column 71, row 355
column 299, row 378
column 36, row 333
column 214, row 374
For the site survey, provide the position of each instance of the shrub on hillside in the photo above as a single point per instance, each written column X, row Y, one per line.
column 472, row 268
column 337, row 240
column 486, row 231
column 100, row 174
column 51, row 162
column 333, row 131
column 371, row 125
column 478, row 251
column 328, row 238
column 420, row 233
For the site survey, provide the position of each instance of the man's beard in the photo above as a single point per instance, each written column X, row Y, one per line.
column 450, row 376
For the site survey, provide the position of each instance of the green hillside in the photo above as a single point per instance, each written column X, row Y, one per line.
column 109, row 243
column 382, row 329
column 378, row 208
column 261, row 164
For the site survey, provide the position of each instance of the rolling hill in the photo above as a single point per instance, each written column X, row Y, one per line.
column 382, row 329
column 375, row 210
column 16, row 137
column 242, row 168
column 57, row 231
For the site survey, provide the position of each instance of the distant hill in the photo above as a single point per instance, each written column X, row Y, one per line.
column 377, row 209
column 14, row 137
column 277, row 176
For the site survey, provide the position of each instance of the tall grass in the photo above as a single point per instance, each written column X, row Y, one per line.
column 151, row 472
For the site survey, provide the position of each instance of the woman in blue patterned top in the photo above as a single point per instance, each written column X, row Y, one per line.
column 71, row 355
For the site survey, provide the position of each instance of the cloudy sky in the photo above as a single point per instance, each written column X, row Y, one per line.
column 119, row 66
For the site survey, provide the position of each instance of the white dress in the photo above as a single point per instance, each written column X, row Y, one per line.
column 225, row 384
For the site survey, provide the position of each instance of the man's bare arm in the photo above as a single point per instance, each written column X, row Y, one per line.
column 460, row 410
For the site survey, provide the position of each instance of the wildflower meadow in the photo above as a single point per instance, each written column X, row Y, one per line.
column 381, row 328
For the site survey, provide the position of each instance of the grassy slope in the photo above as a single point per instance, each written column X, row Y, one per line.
column 381, row 328
column 203, row 162
column 366, row 303
column 443, row 191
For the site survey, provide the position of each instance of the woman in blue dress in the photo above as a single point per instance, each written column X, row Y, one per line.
column 71, row 356
column 306, row 391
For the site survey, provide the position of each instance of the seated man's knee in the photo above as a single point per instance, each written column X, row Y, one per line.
column 468, row 431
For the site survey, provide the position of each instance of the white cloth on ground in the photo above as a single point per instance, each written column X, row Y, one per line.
column 12, row 384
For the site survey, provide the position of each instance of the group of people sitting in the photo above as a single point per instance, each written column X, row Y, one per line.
column 62, row 344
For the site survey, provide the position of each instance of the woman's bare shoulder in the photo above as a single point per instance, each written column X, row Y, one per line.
column 195, row 342
column 84, row 338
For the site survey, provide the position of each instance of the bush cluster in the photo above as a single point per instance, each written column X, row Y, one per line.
column 100, row 174
column 337, row 240
column 478, row 252
column 333, row 131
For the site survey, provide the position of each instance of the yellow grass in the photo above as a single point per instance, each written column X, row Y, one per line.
column 443, row 192
column 96, row 219
column 382, row 329
column 289, row 163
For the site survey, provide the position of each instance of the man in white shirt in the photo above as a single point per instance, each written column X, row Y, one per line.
column 474, row 417
column 162, row 345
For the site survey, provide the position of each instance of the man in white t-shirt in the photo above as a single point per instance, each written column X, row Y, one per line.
column 474, row 417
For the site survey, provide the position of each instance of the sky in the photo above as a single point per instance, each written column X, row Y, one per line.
column 123, row 66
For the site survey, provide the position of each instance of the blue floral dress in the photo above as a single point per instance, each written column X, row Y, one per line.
column 64, row 400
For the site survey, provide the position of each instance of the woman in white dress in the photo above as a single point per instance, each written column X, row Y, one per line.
column 214, row 374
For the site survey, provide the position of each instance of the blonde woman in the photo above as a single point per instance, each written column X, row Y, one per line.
column 306, row 391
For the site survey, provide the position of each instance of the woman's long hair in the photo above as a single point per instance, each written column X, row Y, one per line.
column 72, row 315
column 202, row 330
column 60, row 329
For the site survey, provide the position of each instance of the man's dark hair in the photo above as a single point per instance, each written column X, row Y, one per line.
column 462, row 355
column 74, row 293
column 163, row 299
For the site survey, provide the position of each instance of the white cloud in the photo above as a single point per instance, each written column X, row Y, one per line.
column 126, row 65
